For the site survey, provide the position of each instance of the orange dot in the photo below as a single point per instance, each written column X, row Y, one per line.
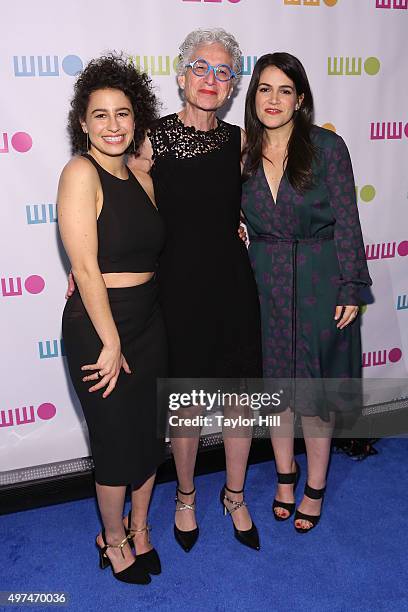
column 330, row 2
column 329, row 126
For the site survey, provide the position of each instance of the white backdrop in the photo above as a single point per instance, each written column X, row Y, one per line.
column 355, row 53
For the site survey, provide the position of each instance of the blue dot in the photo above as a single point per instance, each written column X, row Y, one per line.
column 72, row 65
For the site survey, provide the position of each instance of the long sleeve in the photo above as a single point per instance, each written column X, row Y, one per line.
column 347, row 230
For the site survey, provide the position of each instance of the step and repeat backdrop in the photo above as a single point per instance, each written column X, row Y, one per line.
column 355, row 53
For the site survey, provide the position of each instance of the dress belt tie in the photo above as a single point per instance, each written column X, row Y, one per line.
column 294, row 242
column 272, row 239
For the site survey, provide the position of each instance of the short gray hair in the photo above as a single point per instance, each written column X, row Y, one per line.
column 209, row 37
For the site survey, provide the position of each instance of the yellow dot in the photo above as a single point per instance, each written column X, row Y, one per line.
column 372, row 65
column 330, row 2
column 329, row 126
column 363, row 308
column 367, row 193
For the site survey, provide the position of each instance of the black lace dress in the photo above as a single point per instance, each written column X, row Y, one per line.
column 207, row 289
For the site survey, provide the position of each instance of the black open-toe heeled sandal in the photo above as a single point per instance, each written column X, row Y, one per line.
column 312, row 518
column 291, row 478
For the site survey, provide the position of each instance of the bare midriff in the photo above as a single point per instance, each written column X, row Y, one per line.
column 119, row 280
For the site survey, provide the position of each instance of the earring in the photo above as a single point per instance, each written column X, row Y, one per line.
column 87, row 142
column 134, row 146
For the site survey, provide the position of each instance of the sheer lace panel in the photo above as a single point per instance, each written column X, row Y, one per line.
column 172, row 137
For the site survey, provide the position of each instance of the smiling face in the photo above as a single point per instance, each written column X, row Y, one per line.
column 206, row 92
column 109, row 121
column 276, row 99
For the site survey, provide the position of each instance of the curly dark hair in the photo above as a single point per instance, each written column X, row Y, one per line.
column 112, row 71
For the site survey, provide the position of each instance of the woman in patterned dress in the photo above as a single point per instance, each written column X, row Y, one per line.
column 307, row 254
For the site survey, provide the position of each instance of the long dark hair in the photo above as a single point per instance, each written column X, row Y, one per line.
column 301, row 151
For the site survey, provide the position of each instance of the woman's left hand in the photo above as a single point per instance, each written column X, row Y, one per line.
column 349, row 314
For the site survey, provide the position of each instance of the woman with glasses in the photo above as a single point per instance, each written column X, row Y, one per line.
column 207, row 288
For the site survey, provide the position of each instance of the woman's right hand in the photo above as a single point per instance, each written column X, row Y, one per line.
column 108, row 366
column 71, row 286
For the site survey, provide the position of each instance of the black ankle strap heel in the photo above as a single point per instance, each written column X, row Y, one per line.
column 291, row 478
column 311, row 518
column 249, row 537
column 186, row 539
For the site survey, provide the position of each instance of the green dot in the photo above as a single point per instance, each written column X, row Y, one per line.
column 367, row 193
column 372, row 65
column 363, row 308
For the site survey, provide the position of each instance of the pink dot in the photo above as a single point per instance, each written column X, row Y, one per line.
column 395, row 355
column 22, row 142
column 34, row 284
column 403, row 248
column 46, row 411
column 406, row 130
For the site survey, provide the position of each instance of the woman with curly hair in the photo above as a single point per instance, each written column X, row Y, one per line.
column 112, row 327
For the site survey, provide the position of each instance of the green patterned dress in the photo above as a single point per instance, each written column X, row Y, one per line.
column 308, row 256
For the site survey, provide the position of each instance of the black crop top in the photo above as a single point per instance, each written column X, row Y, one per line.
column 130, row 229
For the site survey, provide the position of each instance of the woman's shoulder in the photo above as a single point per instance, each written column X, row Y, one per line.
column 324, row 138
column 79, row 167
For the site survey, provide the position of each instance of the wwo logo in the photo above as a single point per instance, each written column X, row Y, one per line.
column 48, row 349
column 41, row 213
column 386, row 250
column 310, row 2
column 365, row 193
column 46, row 65
column 352, row 66
column 20, row 141
column 163, row 65
column 392, row 4
column 390, row 130
column 214, row 1
column 11, row 287
column 381, row 357
column 402, row 302
column 27, row 414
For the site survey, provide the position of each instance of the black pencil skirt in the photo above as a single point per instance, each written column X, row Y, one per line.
column 124, row 428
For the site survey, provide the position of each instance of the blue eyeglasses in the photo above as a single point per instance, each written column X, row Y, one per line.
column 222, row 72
